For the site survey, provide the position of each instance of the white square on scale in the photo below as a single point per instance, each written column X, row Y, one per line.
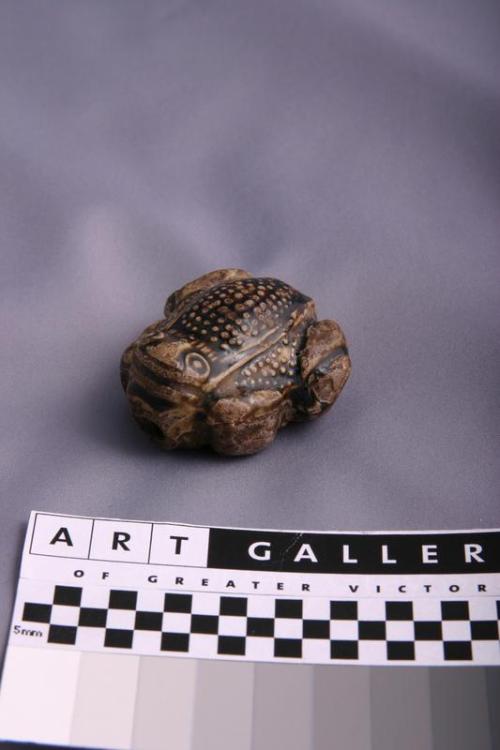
column 372, row 652
column 260, row 649
column 287, row 628
column 371, row 609
column 316, row 609
column 229, row 625
column 206, row 604
column 150, row 600
column 261, row 606
column 400, row 630
column 203, row 645
column 147, row 641
column 176, row 622
column 427, row 609
column 456, row 630
column 486, row 652
column 341, row 630
column 482, row 608
column 315, row 649
column 121, row 619
column 62, row 615
column 429, row 652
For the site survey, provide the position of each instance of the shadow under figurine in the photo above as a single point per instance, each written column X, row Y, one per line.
column 234, row 359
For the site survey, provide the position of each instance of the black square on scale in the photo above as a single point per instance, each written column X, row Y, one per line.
column 316, row 629
column 36, row 612
column 117, row 638
column 343, row 649
column 148, row 620
column 399, row 611
column 290, row 648
column 457, row 650
column 174, row 642
column 289, row 608
column 208, row 624
column 428, row 630
column 231, row 645
column 69, row 595
column 343, row 610
column 260, row 626
column 484, row 630
column 62, row 634
column 93, row 617
column 178, row 603
column 400, row 650
column 120, row 599
column 371, row 630
column 233, row 605
column 455, row 610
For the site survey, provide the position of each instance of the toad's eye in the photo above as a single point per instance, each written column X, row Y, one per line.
column 196, row 365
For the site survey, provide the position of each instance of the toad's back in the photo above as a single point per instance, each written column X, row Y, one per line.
column 238, row 314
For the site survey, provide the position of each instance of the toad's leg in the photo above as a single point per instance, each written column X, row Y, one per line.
column 246, row 424
column 201, row 284
column 325, row 367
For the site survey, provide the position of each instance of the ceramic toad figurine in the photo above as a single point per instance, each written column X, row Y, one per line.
column 234, row 359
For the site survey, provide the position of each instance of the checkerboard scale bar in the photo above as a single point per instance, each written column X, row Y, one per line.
column 266, row 628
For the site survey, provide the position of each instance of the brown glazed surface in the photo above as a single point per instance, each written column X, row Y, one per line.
column 234, row 359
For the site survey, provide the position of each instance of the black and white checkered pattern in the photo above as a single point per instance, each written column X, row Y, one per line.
column 207, row 624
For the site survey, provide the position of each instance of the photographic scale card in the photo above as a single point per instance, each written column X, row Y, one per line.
column 133, row 634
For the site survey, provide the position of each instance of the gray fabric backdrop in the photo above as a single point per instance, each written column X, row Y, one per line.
column 349, row 147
